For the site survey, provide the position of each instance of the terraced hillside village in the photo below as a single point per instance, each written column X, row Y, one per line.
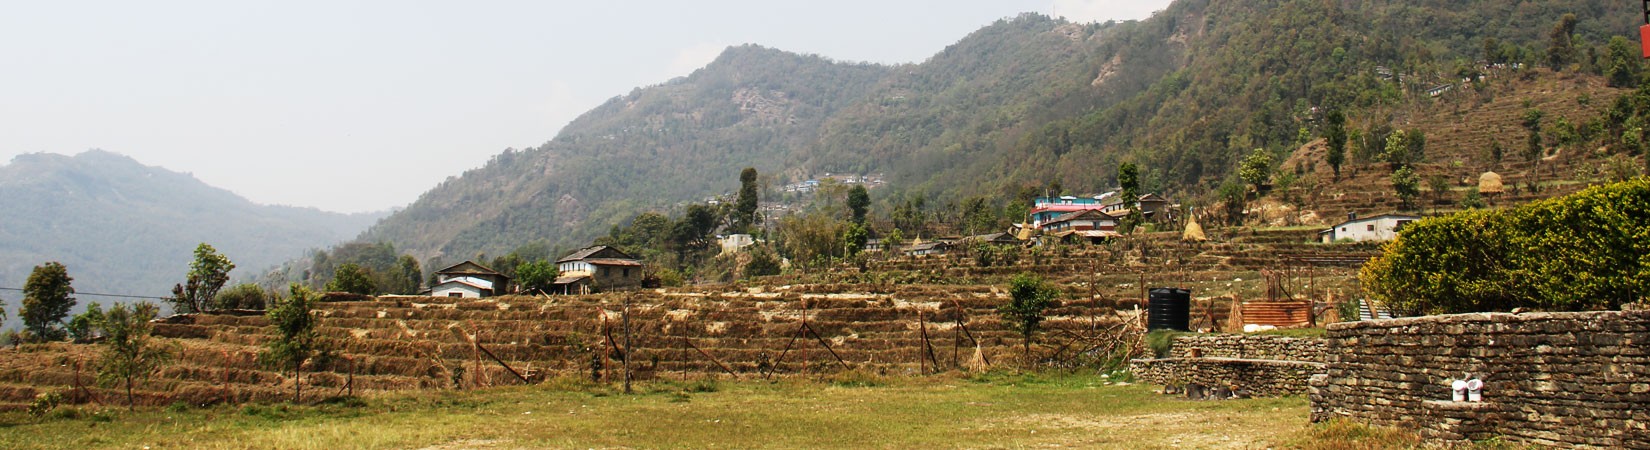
column 874, row 320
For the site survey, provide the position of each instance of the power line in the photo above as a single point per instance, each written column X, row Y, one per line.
column 94, row 294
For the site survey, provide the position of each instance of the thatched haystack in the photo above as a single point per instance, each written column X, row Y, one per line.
column 1194, row 232
column 1490, row 184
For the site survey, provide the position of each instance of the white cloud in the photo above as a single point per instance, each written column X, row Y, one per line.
column 1103, row 10
column 692, row 58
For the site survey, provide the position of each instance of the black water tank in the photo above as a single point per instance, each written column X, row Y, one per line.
column 1169, row 309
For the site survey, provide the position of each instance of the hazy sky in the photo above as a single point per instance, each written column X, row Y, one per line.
column 356, row 106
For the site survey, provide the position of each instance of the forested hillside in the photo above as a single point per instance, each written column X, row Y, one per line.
column 125, row 228
column 1020, row 105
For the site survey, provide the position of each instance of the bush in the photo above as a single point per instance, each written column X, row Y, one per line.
column 1580, row 252
column 45, row 402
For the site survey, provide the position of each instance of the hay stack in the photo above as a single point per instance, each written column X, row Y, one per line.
column 1194, row 232
column 1490, row 184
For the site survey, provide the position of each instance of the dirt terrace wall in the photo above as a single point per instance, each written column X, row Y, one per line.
column 1250, row 346
column 1558, row 379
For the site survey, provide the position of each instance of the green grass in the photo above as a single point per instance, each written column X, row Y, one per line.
column 994, row 409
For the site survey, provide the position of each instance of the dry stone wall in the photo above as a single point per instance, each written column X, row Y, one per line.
column 1247, row 346
column 1253, row 365
column 1551, row 379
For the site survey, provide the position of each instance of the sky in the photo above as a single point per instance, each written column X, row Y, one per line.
column 354, row 106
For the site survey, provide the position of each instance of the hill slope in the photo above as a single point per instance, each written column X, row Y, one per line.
column 1018, row 105
column 122, row 227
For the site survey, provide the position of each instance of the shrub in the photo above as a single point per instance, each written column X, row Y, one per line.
column 1584, row 251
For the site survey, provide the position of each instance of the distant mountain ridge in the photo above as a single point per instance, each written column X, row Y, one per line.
column 125, row 228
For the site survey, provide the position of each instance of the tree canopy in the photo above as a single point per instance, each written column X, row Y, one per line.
column 47, row 297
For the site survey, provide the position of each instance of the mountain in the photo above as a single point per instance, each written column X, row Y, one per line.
column 1021, row 105
column 125, row 228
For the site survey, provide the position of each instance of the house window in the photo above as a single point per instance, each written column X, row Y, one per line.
column 1372, row 227
column 455, row 294
column 627, row 272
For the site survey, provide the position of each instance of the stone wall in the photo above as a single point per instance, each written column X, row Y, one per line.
column 1552, row 379
column 1248, row 377
column 1258, row 365
column 1249, row 346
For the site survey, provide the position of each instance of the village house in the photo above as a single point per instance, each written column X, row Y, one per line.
column 1092, row 219
column 468, row 280
column 873, row 245
column 928, row 248
column 598, row 268
column 1046, row 209
column 1384, row 227
column 993, row 239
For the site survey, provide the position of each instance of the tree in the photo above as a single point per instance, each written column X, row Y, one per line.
column 1560, row 49
column 854, row 237
column 207, row 275
column 744, row 209
column 47, row 297
column 1437, row 186
column 1029, row 298
column 537, row 276
column 1406, row 184
column 243, row 296
column 406, row 277
column 1128, row 181
column 353, row 279
column 762, row 263
column 295, row 342
column 1396, row 150
column 978, row 216
column 84, row 326
column 129, row 352
column 859, row 201
column 1335, row 134
column 1532, row 149
column 1256, row 169
column 1622, row 65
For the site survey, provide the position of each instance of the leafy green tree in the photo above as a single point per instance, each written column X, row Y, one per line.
column 978, row 216
column 129, row 351
column 84, row 326
column 48, row 295
column 1335, row 134
column 1622, row 65
column 1234, row 197
column 296, row 341
column 243, row 296
column 537, row 276
column 1256, row 169
column 859, row 202
column 1029, row 299
column 1438, row 186
column 762, row 263
column 405, row 279
column 207, row 275
column 854, row 237
column 353, row 279
column 1532, row 123
column 744, row 209
column 1560, row 49
column 1128, row 181
column 1407, row 185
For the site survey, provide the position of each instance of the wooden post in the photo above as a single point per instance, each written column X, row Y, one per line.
column 627, row 346
column 922, row 361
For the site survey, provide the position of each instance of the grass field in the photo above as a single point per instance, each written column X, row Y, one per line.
column 849, row 411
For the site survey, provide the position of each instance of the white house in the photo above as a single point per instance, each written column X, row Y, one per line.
column 1384, row 227
column 468, row 280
